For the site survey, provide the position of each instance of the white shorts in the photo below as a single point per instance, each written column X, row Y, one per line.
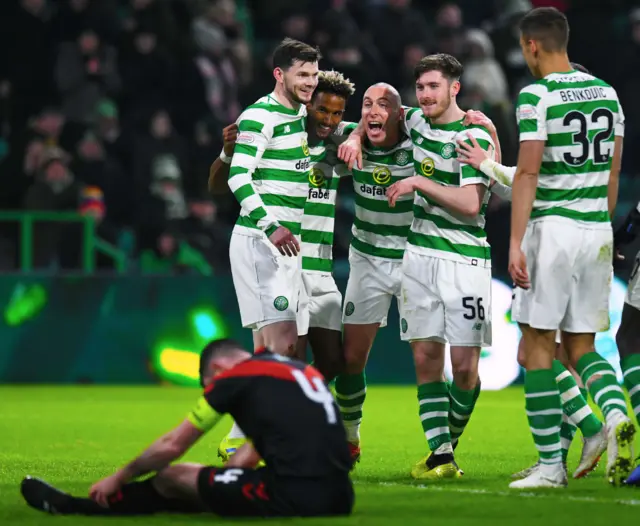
column 445, row 301
column 324, row 301
column 570, row 268
column 373, row 283
column 267, row 284
column 633, row 290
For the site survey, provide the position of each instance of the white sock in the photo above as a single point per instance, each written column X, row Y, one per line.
column 236, row 432
column 353, row 432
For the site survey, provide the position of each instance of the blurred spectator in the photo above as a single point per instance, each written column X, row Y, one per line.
column 412, row 54
column 86, row 71
column 173, row 255
column 482, row 70
column 450, row 30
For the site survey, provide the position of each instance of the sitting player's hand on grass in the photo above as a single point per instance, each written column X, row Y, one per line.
column 350, row 152
column 229, row 136
column 472, row 154
column 403, row 187
column 103, row 489
column 285, row 242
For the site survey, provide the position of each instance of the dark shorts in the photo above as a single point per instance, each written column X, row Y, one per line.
column 235, row 492
column 628, row 336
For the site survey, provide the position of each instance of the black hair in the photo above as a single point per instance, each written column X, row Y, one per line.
column 290, row 51
column 216, row 349
column 334, row 83
column 548, row 26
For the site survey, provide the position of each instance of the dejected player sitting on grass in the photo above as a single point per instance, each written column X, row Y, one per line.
column 292, row 420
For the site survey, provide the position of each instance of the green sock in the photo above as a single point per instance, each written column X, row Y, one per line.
column 605, row 391
column 631, row 369
column 351, row 390
column 544, row 412
column 462, row 404
column 433, row 399
column 567, row 432
column 574, row 405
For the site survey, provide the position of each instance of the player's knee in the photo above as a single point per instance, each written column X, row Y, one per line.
column 428, row 359
column 466, row 377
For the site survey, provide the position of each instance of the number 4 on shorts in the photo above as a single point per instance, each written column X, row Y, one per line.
column 474, row 308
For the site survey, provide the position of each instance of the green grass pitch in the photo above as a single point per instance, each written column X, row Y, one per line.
column 72, row 436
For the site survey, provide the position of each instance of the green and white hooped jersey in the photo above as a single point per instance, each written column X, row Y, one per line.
column 320, row 210
column 379, row 230
column 270, row 167
column 435, row 231
column 578, row 116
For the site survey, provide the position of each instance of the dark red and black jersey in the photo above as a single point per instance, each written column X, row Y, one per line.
column 286, row 409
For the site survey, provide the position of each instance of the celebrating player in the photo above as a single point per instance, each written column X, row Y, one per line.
column 446, row 269
column 294, row 425
column 325, row 113
column 269, row 177
column 576, row 411
column 561, row 231
column 379, row 238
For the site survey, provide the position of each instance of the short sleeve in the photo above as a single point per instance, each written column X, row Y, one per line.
column 531, row 113
column 410, row 117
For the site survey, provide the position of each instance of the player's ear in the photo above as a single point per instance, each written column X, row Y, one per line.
column 455, row 88
column 401, row 113
column 278, row 74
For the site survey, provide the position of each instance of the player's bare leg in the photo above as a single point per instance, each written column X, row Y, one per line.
column 301, row 348
column 351, row 385
column 600, row 379
column 326, row 347
column 434, row 407
column 544, row 409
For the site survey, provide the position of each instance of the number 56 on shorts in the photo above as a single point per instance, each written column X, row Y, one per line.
column 445, row 301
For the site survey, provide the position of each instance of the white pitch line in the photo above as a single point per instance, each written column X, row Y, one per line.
column 561, row 495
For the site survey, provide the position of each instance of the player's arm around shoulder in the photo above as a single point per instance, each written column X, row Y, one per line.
column 219, row 171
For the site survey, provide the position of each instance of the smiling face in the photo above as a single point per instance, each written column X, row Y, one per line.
column 299, row 81
column 380, row 115
column 325, row 113
column 435, row 93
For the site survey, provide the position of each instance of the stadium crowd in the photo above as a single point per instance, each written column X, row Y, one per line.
column 115, row 107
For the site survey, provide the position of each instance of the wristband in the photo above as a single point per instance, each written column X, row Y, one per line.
column 225, row 158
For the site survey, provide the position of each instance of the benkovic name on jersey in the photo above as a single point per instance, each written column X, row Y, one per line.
column 582, row 94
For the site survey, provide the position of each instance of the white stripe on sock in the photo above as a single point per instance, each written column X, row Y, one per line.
column 351, row 409
column 548, row 448
column 599, row 362
column 545, row 412
column 433, row 400
column 605, row 390
column 562, row 376
column 351, row 396
column 542, row 394
column 570, row 394
column 544, row 432
column 634, row 390
column 433, row 414
column 580, row 415
column 436, row 431
column 632, row 370
column 458, row 416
